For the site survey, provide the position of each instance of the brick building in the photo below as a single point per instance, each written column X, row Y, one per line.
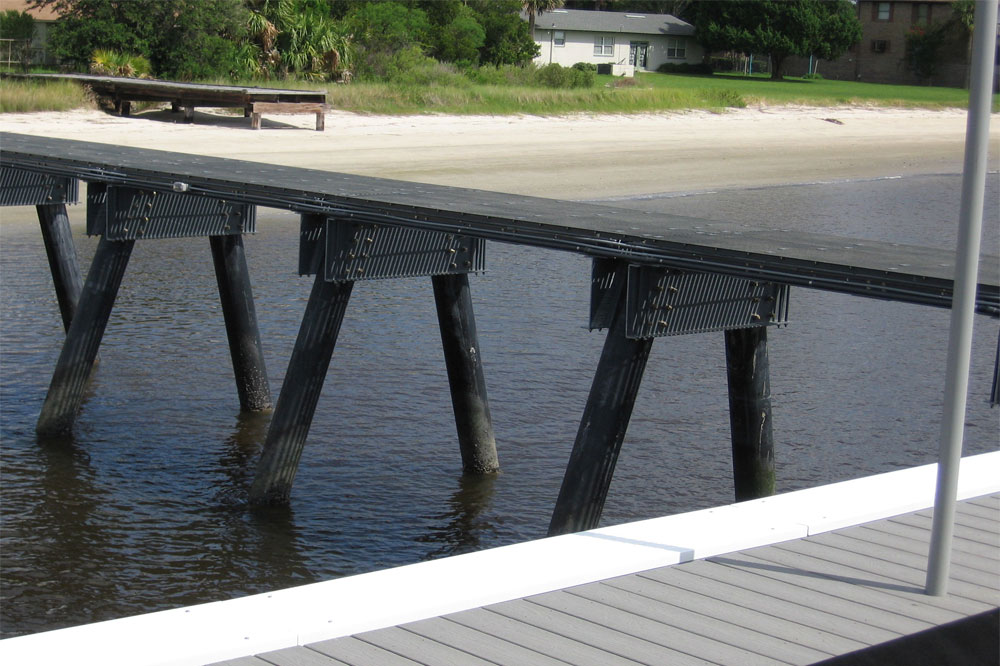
column 880, row 56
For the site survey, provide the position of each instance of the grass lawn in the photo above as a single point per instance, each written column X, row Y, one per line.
column 817, row 92
column 648, row 92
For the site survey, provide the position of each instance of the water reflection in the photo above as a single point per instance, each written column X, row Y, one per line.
column 463, row 528
column 61, row 542
column 239, row 457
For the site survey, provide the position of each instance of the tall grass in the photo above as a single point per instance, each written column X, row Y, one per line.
column 443, row 89
column 27, row 96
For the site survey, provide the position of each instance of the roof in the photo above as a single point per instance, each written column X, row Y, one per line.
column 591, row 21
column 47, row 13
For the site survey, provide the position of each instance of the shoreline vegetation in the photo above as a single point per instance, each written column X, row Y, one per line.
column 448, row 91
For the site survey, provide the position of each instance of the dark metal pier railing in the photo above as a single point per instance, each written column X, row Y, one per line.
column 653, row 275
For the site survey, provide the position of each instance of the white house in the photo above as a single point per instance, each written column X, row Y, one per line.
column 623, row 40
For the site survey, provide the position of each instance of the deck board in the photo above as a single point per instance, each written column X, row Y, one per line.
column 352, row 650
column 918, row 561
column 759, row 640
column 915, row 547
column 300, row 656
column 401, row 640
column 482, row 644
column 791, row 596
column 594, row 634
column 534, row 638
column 688, row 637
column 919, row 533
column 735, row 606
column 797, row 602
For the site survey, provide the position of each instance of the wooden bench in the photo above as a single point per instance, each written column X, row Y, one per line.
column 258, row 108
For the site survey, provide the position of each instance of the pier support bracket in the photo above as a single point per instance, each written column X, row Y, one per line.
column 340, row 251
column 50, row 194
column 606, row 416
column 637, row 304
column 121, row 215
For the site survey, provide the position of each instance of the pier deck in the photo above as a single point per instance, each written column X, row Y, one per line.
column 820, row 261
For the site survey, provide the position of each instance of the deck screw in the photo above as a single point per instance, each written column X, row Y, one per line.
column 755, row 316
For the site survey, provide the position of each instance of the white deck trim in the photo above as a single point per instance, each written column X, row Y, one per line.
column 296, row 616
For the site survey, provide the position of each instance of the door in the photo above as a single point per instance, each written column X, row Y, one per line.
column 637, row 52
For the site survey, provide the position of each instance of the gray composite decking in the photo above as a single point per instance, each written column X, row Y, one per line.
column 796, row 602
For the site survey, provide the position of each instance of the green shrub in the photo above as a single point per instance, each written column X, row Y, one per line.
column 557, row 76
column 685, row 68
column 585, row 67
column 106, row 62
column 815, row 76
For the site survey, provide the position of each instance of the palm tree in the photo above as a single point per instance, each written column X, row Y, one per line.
column 534, row 8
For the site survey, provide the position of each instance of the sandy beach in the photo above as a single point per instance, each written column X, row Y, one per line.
column 570, row 157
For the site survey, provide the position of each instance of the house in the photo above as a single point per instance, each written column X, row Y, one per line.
column 44, row 18
column 881, row 55
column 623, row 42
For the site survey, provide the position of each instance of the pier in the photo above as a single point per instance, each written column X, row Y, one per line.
column 828, row 572
column 653, row 275
column 183, row 97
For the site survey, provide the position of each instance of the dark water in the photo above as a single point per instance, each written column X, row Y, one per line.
column 144, row 508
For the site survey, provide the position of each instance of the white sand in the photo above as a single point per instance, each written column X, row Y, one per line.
column 574, row 157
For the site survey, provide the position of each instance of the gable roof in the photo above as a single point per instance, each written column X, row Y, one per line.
column 591, row 21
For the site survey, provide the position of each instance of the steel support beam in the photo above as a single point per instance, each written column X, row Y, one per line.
column 83, row 338
column 299, row 395
column 465, row 373
column 748, row 372
column 602, row 429
column 236, row 295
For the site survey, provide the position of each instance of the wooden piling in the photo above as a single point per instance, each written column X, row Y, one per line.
column 236, row 295
column 66, row 276
column 83, row 338
column 465, row 373
column 602, row 429
column 748, row 372
column 300, row 391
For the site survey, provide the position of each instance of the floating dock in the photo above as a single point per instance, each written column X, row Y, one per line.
column 795, row 578
column 185, row 97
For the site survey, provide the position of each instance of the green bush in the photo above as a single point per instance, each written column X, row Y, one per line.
column 557, row 76
column 815, row 76
column 585, row 67
column 685, row 68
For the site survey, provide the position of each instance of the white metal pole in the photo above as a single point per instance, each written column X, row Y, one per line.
column 963, row 302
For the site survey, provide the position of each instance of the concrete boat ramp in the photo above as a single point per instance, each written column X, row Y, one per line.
column 833, row 573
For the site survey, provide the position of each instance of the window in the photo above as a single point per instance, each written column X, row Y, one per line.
column 880, row 46
column 559, row 37
column 922, row 13
column 676, row 48
column 882, row 11
column 604, row 46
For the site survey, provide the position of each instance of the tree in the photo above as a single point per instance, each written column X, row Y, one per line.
column 181, row 38
column 460, row 40
column 508, row 41
column 825, row 28
column 20, row 27
column 534, row 8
